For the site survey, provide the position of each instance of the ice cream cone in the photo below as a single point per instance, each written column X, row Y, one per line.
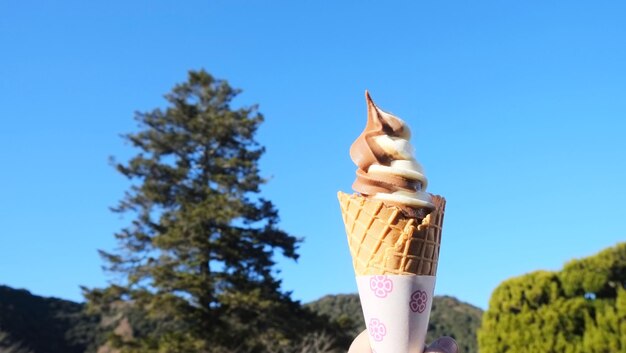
column 383, row 240
column 395, row 261
column 394, row 232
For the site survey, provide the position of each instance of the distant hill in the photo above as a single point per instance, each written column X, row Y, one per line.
column 42, row 325
column 449, row 317
column 34, row 324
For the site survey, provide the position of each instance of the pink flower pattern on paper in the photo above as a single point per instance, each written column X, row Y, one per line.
column 377, row 330
column 419, row 298
column 381, row 285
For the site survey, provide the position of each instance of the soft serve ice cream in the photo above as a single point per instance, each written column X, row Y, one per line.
column 387, row 169
column 394, row 234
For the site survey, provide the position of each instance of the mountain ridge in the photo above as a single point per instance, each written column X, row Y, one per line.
column 449, row 317
column 39, row 324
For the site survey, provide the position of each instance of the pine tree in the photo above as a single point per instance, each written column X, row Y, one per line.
column 198, row 257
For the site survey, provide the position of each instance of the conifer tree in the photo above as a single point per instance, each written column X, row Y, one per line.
column 197, row 260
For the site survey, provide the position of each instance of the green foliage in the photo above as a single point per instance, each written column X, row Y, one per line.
column 197, row 257
column 579, row 309
column 449, row 317
column 8, row 346
column 343, row 309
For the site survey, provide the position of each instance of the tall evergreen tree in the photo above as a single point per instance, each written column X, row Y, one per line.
column 197, row 258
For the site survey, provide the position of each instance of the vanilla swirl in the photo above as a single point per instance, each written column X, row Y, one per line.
column 387, row 169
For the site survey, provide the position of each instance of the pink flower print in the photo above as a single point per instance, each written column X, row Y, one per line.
column 381, row 285
column 377, row 330
column 419, row 298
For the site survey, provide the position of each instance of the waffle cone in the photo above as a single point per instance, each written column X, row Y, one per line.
column 384, row 241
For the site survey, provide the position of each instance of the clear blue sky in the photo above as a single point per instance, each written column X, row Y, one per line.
column 518, row 111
